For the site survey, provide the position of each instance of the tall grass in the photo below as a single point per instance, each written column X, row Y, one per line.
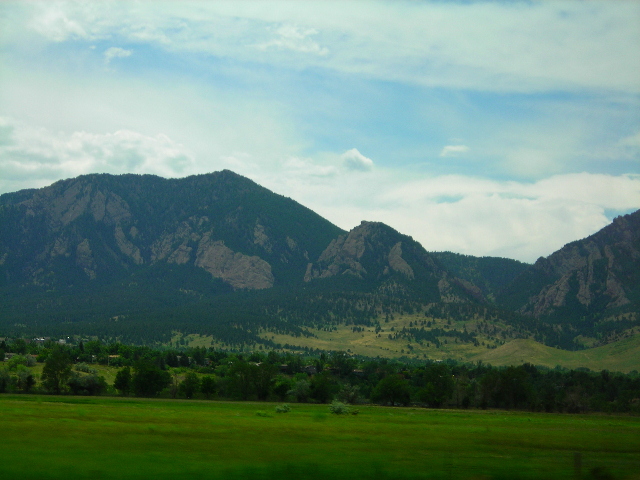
column 114, row 438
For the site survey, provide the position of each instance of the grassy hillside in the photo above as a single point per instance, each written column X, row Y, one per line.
column 121, row 438
column 366, row 341
column 621, row 356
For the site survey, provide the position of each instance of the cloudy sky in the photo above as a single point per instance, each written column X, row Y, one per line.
column 502, row 129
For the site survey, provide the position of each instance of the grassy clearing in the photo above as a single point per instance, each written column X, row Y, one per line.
column 621, row 356
column 370, row 344
column 116, row 438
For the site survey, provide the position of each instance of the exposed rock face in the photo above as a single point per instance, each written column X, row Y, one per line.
column 126, row 247
column 397, row 263
column 344, row 255
column 375, row 252
column 240, row 271
column 454, row 290
column 260, row 237
column 104, row 224
column 599, row 270
column 84, row 259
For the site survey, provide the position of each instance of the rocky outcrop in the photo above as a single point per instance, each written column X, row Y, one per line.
column 261, row 238
column 344, row 255
column 240, row 271
column 397, row 263
column 84, row 259
column 126, row 247
column 599, row 270
column 115, row 226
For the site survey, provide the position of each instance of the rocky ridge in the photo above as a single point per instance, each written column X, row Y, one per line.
column 101, row 223
column 601, row 271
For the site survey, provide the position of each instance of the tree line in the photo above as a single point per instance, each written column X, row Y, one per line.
column 270, row 376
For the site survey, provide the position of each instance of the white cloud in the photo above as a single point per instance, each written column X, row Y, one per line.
column 523, row 47
column 354, row 160
column 115, row 52
column 292, row 37
column 267, row 112
column 52, row 22
column 40, row 155
column 632, row 141
column 452, row 150
column 475, row 216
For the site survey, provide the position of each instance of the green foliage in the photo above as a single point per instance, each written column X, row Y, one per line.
column 5, row 380
column 283, row 408
column 491, row 274
column 282, row 387
column 338, row 408
column 190, row 385
column 322, row 387
column 437, row 384
column 83, row 367
column 349, row 394
column 301, row 390
column 26, row 380
column 148, row 379
column 208, row 386
column 56, row 370
column 123, row 381
column 91, row 384
column 392, row 389
column 15, row 361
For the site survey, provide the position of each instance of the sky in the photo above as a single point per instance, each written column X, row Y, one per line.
column 485, row 128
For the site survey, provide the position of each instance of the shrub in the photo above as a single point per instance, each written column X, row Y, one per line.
column 349, row 394
column 15, row 361
column 87, row 384
column 283, row 408
column 5, row 380
column 83, row 367
column 338, row 408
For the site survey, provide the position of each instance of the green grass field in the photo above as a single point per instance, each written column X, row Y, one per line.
column 46, row 437
column 621, row 356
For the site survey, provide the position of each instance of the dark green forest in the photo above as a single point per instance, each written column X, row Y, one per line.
column 209, row 373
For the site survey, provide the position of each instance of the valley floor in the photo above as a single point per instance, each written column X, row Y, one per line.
column 48, row 437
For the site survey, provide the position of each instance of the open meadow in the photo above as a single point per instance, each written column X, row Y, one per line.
column 49, row 437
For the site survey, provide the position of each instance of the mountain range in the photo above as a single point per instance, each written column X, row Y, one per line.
column 139, row 257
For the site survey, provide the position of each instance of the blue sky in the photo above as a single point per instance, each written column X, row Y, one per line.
column 485, row 128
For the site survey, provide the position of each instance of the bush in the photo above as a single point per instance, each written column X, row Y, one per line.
column 349, row 394
column 83, row 367
column 5, row 380
column 338, row 408
column 283, row 408
column 15, row 361
column 87, row 384
column 26, row 380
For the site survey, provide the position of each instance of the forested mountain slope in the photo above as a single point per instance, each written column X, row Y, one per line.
column 98, row 228
column 136, row 258
column 490, row 274
column 593, row 276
